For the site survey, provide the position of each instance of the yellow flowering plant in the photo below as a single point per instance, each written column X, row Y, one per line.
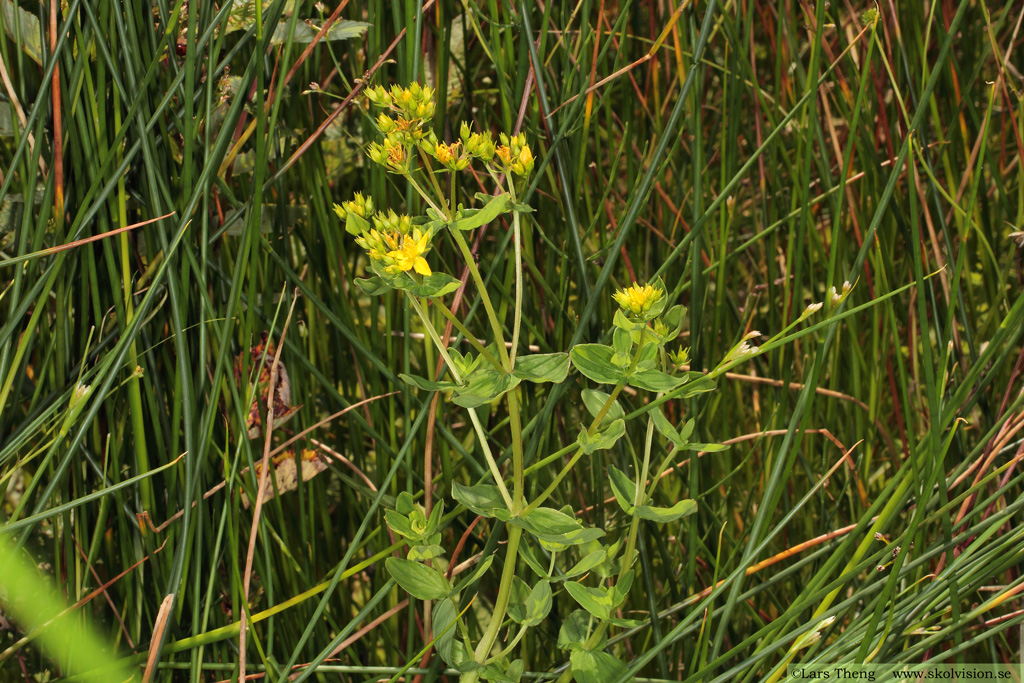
column 398, row 251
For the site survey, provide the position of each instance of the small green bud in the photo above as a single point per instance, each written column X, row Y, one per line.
column 425, row 110
column 360, row 205
column 385, row 123
column 483, row 146
column 681, row 356
column 377, row 154
column 429, row 143
column 378, row 96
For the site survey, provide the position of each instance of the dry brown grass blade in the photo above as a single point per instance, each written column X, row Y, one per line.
column 159, row 626
column 58, row 137
column 78, row 243
column 12, row 95
column 106, row 595
column 344, row 461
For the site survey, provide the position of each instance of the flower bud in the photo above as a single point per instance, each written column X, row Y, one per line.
column 385, row 124
column 811, row 310
column 484, row 147
column 378, row 96
column 360, row 205
column 525, row 161
column 377, row 154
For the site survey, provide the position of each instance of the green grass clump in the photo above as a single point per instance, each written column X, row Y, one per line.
column 833, row 192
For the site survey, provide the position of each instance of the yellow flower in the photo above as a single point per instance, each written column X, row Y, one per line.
column 526, row 158
column 410, row 255
column 396, row 154
column 638, row 299
column 446, row 154
column 522, row 162
column 504, row 153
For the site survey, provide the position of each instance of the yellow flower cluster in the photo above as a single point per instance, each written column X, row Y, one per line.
column 397, row 253
column 404, row 128
column 638, row 299
column 360, row 206
column 409, row 256
column 393, row 244
column 515, row 154
column 412, row 108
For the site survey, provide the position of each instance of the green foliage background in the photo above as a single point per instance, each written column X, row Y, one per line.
column 812, row 147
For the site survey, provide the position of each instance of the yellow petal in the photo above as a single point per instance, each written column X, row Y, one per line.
column 420, row 264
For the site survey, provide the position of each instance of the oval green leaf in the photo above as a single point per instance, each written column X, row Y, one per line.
column 474, row 218
column 662, row 515
column 595, row 362
column 418, row 580
column 543, row 367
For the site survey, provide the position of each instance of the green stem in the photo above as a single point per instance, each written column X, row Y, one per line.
column 508, row 573
column 486, row 644
column 641, row 483
column 432, row 333
column 627, row 557
column 451, row 194
column 591, row 429
column 515, row 503
column 544, row 462
column 423, row 193
column 477, row 426
column 517, row 238
column 515, row 641
column 473, row 341
column 478, row 280
column 515, row 533
column 516, row 427
column 578, row 454
column 661, row 470
column 450, row 212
